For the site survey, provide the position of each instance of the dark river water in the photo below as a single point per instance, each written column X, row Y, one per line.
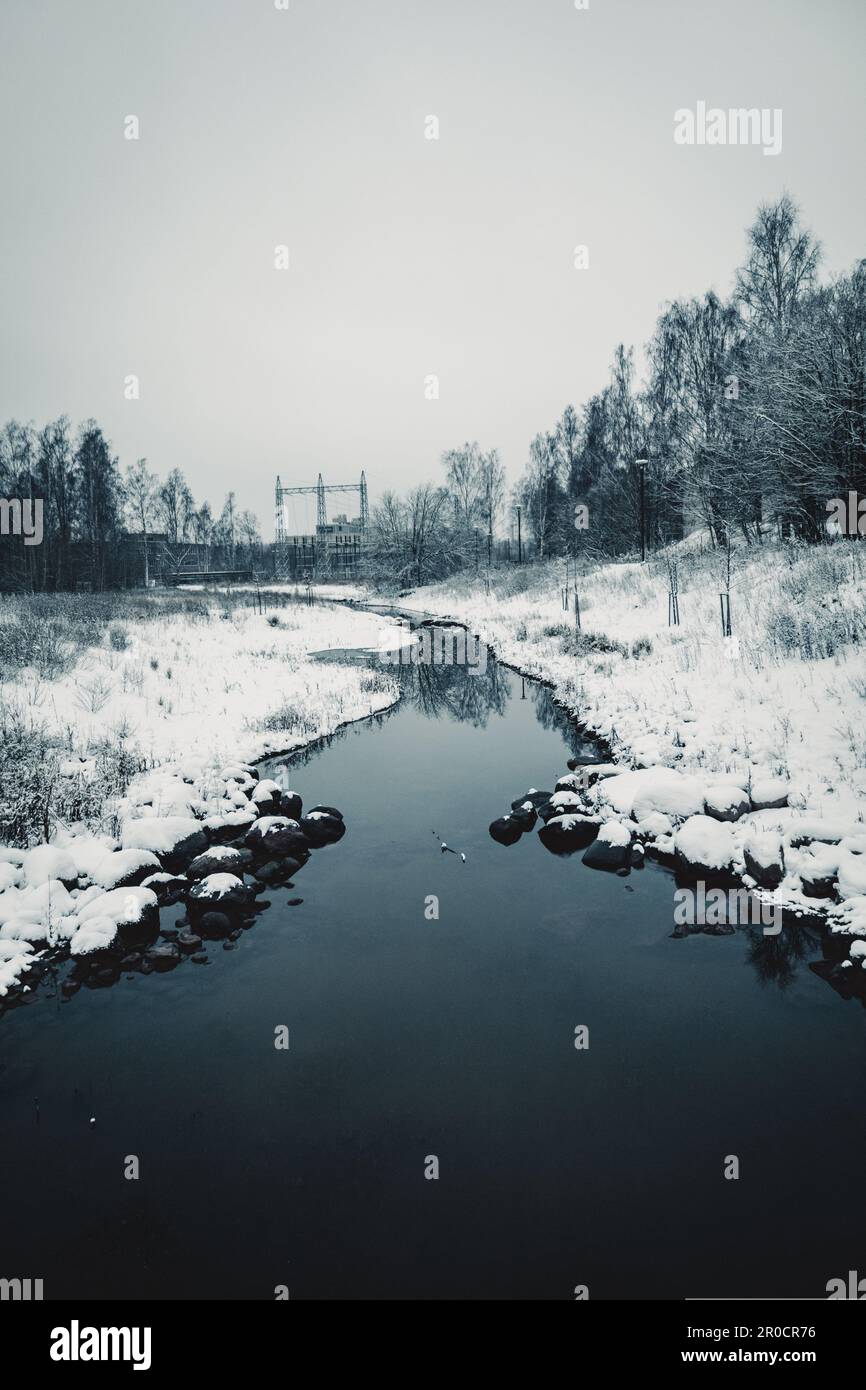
column 454, row 1038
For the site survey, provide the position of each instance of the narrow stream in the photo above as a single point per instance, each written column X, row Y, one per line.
column 412, row 1037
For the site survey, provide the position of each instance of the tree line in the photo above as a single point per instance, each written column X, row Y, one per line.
column 103, row 526
column 750, row 415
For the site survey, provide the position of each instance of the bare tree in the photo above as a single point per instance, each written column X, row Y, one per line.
column 140, row 495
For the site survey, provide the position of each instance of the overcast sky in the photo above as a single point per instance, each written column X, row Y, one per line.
column 408, row 256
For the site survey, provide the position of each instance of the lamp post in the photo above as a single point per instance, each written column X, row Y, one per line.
column 641, row 462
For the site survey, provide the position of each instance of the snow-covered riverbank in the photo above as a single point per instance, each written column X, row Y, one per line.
column 761, row 737
column 146, row 723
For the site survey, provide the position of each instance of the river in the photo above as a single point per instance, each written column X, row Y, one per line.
column 413, row 1038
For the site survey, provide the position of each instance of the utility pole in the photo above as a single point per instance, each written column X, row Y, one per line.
column 519, row 540
column 641, row 462
column 365, row 510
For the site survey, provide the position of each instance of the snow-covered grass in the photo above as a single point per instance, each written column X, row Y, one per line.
column 96, row 688
column 782, row 703
column 787, row 695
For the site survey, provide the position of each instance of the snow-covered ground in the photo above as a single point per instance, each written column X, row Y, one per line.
column 234, row 683
column 190, row 695
column 773, row 715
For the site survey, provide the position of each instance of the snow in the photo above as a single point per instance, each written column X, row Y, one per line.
column 233, row 820
column 217, row 886
column 195, row 697
column 649, row 790
column 96, row 934
column 614, row 832
column 10, row 876
column 852, row 868
column 114, row 867
column 125, row 906
column 266, row 790
column 48, row 862
column 159, row 834
column 704, row 842
column 15, row 958
column 765, row 847
column 566, row 801
column 726, row 800
column 196, row 688
column 769, row 791
column 694, row 720
column 654, row 826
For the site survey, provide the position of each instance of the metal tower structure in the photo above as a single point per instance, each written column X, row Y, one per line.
column 320, row 488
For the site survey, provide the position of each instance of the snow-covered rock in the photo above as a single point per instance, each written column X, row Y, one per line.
column 321, row 828
column 49, row 862
column 818, row 867
column 125, row 867
column 852, row 866
column 768, row 792
column 96, row 934
column 725, row 801
column 274, row 836
column 506, row 830
column 220, row 859
column 654, row 826
column 566, row 833
column 174, row 837
column 229, row 823
column 764, row 857
column 562, row 802
column 169, row 888
column 705, row 845
column 267, row 793
column 125, row 906
column 221, row 891
column 646, row 790
column 611, row 848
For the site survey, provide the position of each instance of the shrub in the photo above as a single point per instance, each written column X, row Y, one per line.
column 582, row 643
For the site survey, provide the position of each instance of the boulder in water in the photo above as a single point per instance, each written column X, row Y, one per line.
column 507, row 830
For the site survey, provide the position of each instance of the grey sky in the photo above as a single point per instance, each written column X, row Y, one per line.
column 408, row 256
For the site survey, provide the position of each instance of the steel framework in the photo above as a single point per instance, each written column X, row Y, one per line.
column 319, row 488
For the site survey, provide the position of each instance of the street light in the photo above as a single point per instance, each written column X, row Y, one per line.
column 642, row 462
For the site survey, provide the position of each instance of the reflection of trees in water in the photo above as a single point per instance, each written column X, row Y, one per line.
column 471, row 698
column 552, row 716
column 776, row 958
column 299, row 757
